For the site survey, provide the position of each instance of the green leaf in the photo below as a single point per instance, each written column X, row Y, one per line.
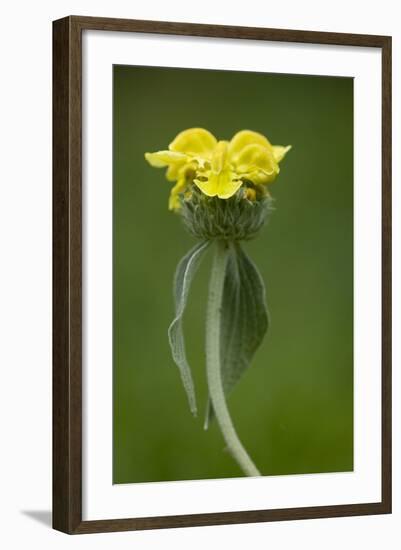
column 184, row 274
column 244, row 319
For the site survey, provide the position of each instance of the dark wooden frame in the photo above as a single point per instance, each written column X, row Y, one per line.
column 67, row 278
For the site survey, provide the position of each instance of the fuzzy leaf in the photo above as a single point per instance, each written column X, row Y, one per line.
column 244, row 319
column 184, row 274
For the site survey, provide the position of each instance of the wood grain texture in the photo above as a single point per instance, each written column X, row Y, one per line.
column 225, row 31
column 67, row 277
column 67, row 274
column 386, row 276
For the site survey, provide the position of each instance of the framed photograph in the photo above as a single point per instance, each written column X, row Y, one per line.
column 222, row 271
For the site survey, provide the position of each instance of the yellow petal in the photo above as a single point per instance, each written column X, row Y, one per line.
column 174, row 200
column 219, row 157
column 227, row 185
column 173, row 171
column 244, row 138
column 224, row 185
column 207, row 186
column 194, row 141
column 180, row 170
column 165, row 158
column 257, row 164
column 260, row 177
column 279, row 152
column 256, row 156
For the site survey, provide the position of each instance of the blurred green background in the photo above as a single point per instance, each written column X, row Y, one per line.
column 293, row 409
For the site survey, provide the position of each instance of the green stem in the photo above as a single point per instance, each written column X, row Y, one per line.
column 213, row 367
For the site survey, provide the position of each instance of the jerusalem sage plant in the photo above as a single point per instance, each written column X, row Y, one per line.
column 221, row 195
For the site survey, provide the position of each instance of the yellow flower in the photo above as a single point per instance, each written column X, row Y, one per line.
column 218, row 168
